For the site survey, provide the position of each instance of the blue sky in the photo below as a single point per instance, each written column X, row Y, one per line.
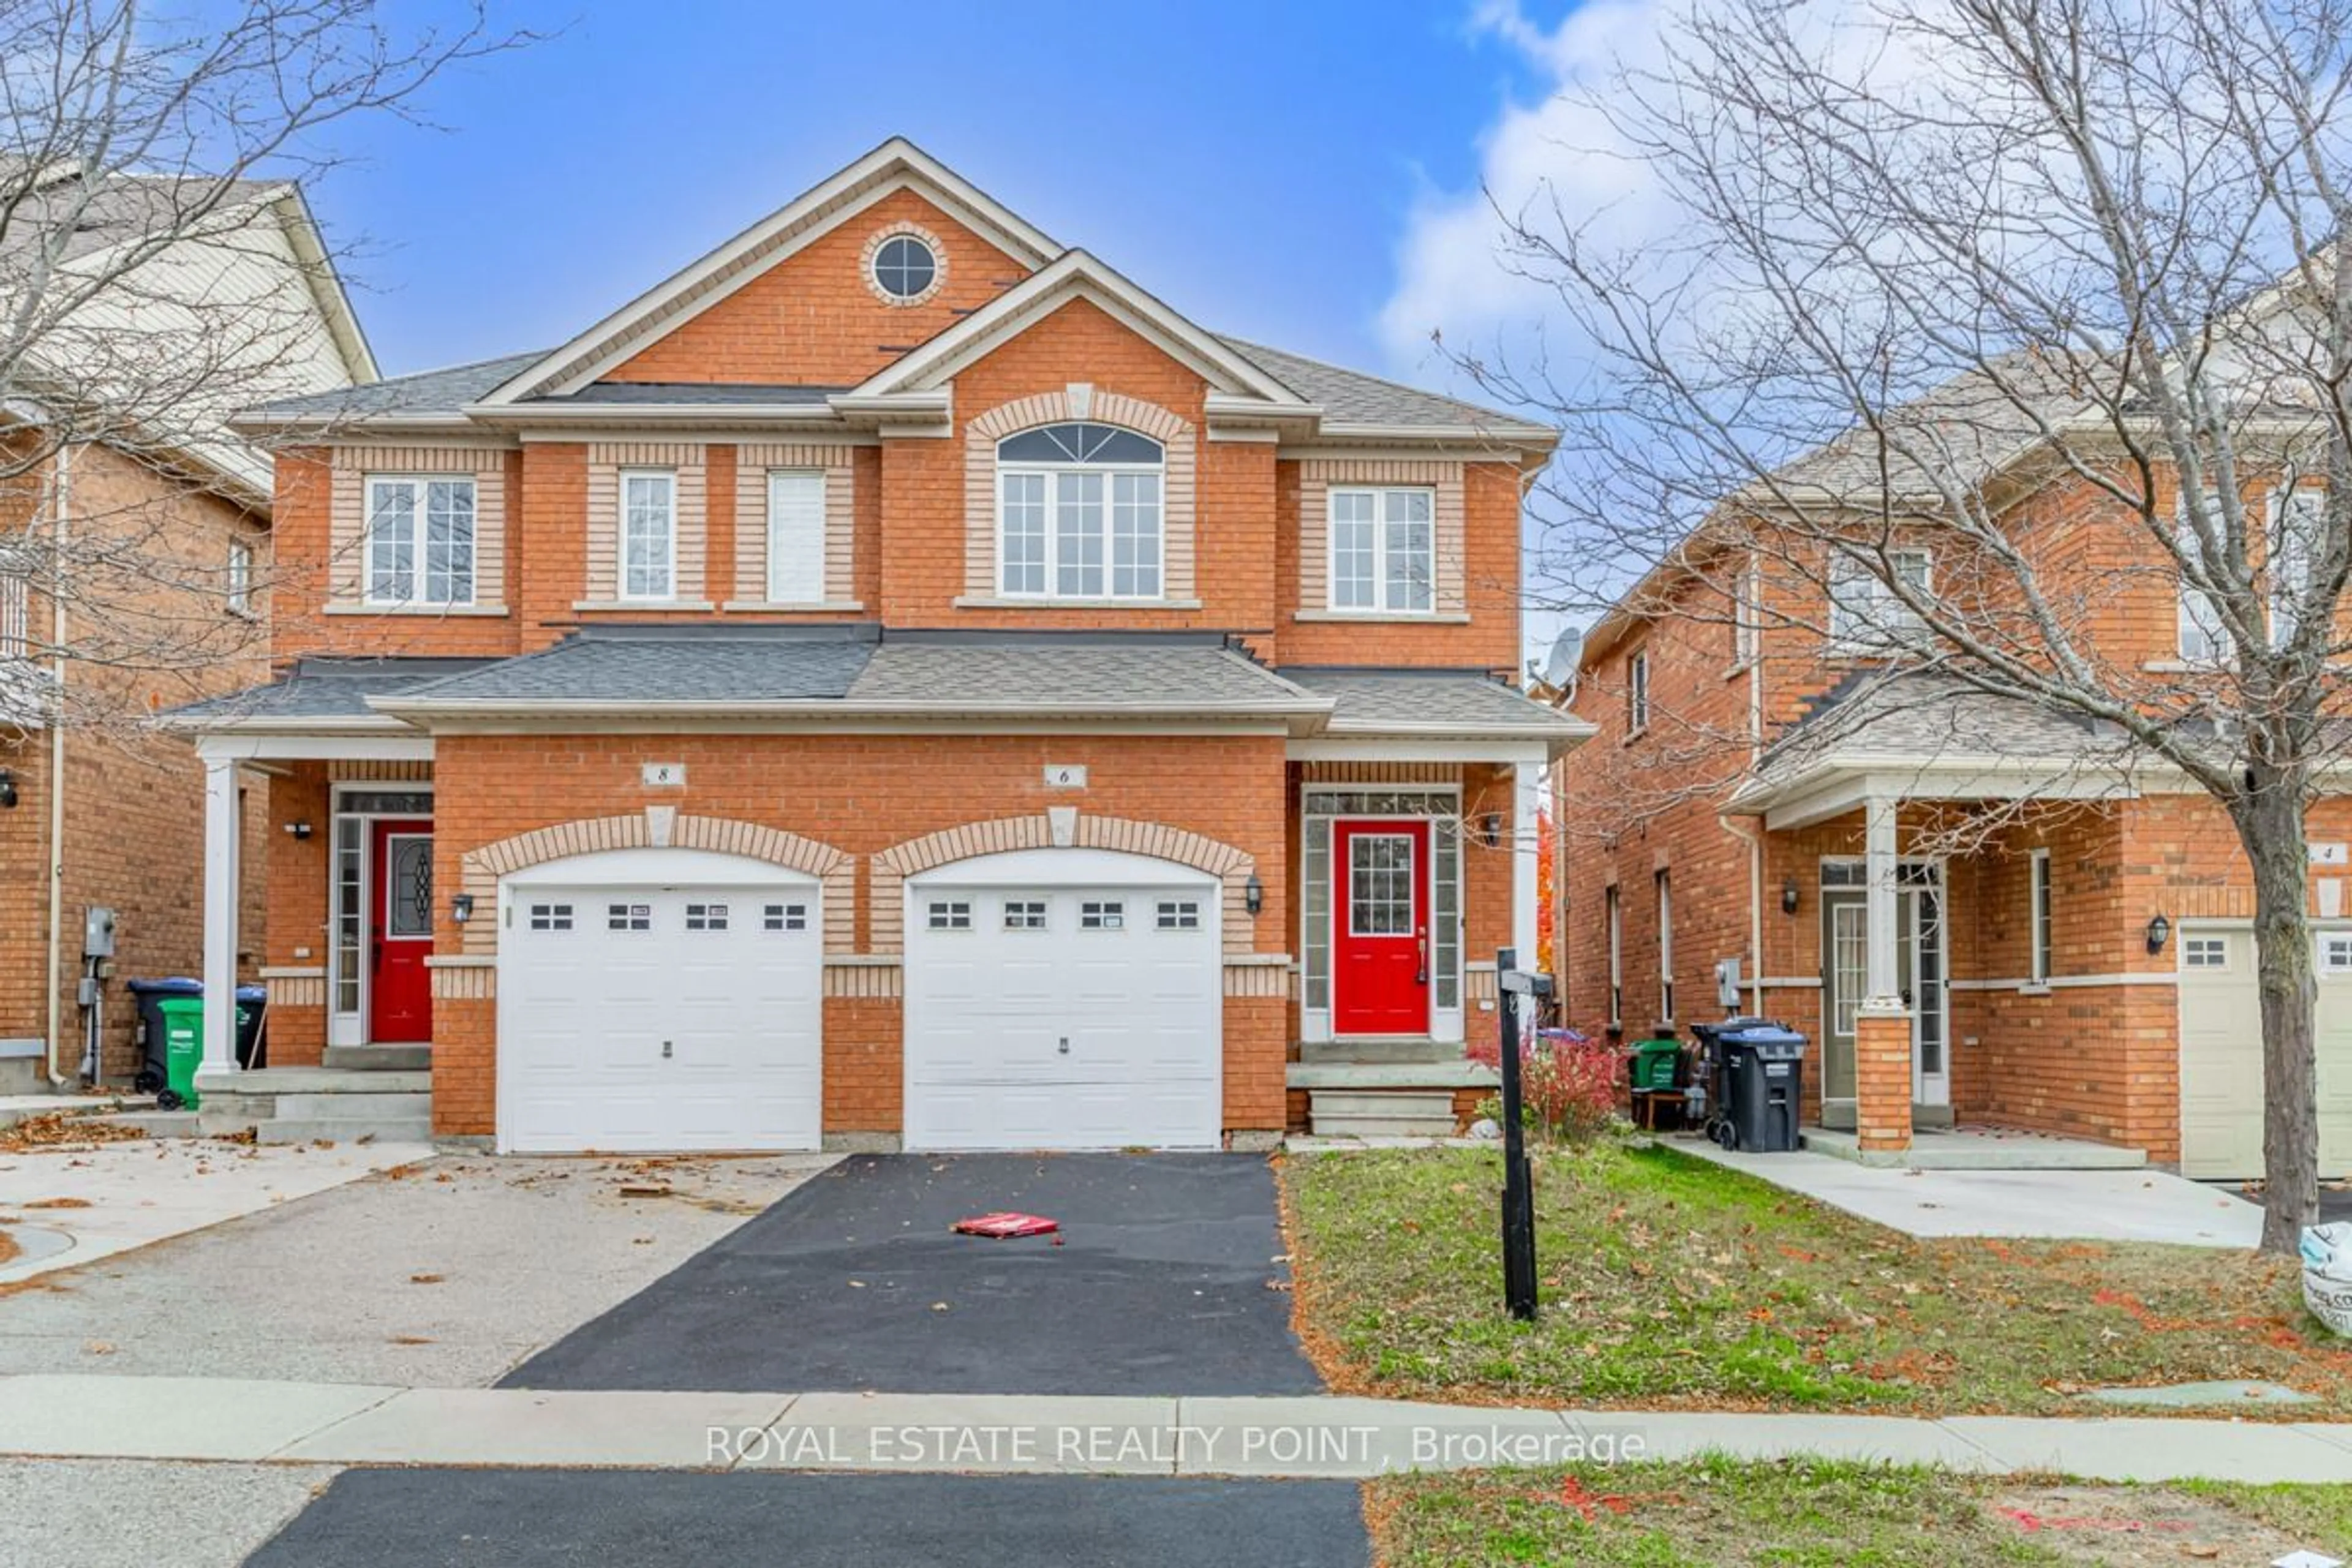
column 1261, row 164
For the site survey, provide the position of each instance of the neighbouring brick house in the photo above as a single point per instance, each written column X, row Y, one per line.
column 2065, row 925
column 163, row 540
column 895, row 681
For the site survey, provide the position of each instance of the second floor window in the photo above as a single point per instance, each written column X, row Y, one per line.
column 240, row 577
column 1867, row 615
column 648, row 534
column 16, row 607
column 1383, row 548
column 420, row 541
column 796, row 537
column 2298, row 520
column 1079, row 514
column 1637, row 693
column 2203, row 638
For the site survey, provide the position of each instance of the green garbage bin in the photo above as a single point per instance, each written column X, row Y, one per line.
column 1654, row 1063
column 183, row 1045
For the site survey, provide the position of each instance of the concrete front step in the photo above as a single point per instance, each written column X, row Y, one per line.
column 352, row 1107
column 155, row 1123
column 380, row 1059
column 342, row 1129
column 1389, row 1113
column 318, row 1081
column 1383, row 1052
column 1322, row 1075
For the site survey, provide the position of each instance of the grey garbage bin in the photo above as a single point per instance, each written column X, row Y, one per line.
column 1764, row 1075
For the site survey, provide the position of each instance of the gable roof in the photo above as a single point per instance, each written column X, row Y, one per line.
column 894, row 166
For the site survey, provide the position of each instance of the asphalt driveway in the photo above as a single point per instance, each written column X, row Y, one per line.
column 523, row 1519
column 1167, row 1279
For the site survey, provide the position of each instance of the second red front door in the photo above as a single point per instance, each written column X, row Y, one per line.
column 1379, row 901
column 400, row 989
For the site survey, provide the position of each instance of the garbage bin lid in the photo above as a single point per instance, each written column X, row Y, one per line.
column 176, row 985
column 253, row 993
column 1759, row 1032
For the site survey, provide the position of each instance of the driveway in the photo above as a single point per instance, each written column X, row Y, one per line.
column 1167, row 1279
column 520, row 1518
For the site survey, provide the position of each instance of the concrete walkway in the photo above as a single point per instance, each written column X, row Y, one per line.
column 2071, row 1205
column 328, row 1424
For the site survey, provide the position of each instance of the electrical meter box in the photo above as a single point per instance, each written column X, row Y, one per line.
column 98, row 933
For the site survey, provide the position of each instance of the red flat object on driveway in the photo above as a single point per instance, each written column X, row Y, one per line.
column 999, row 1225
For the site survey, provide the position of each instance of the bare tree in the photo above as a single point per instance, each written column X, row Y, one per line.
column 158, row 271
column 2051, row 285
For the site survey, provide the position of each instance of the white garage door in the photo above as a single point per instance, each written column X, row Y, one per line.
column 2221, row 1055
column 660, row 1000
column 1064, row 999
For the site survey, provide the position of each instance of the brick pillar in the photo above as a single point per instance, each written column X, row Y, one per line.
column 1882, row 1080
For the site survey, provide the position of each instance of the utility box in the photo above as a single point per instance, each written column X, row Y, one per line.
column 98, row 933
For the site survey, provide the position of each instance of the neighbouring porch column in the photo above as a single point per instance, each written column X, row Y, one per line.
column 221, row 833
column 1881, row 1026
column 1526, row 838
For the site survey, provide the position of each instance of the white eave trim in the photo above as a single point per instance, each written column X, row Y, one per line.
column 825, row 710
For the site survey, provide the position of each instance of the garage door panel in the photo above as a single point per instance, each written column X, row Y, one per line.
column 662, row 1019
column 2221, row 1094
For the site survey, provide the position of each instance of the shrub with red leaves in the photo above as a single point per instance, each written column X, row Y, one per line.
column 1569, row 1086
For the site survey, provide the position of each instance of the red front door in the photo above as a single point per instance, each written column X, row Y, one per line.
column 1379, row 901
column 400, row 989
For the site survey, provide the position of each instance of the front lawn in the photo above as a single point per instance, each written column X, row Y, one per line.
column 1667, row 1281
column 1710, row 1513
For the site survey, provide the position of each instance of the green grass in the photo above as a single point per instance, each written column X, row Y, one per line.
column 1710, row 1513
column 1670, row 1281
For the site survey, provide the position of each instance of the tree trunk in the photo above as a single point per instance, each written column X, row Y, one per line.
column 2270, row 821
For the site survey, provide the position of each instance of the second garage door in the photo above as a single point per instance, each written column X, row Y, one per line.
column 1064, row 999
column 656, row 1000
column 2222, row 1054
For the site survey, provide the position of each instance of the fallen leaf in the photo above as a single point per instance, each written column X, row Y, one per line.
column 58, row 1203
column 424, row 1280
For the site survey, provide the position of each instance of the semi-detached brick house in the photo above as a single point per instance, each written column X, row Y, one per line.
column 2065, row 925
column 894, row 681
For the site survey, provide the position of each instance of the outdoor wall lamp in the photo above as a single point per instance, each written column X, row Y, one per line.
column 1491, row 825
column 2158, row 931
column 1789, row 896
column 461, row 908
column 299, row 829
column 1253, row 894
column 7, row 790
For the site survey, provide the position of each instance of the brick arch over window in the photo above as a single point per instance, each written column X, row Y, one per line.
column 1230, row 866
column 1178, row 483
column 835, row 870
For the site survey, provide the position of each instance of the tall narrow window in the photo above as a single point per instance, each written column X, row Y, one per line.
column 1746, row 615
column 2039, row 921
column 420, row 541
column 1665, row 947
column 2203, row 638
column 1616, row 955
column 648, row 534
column 239, row 583
column 1637, row 692
column 2298, row 518
column 16, row 607
column 1382, row 549
column 1079, row 513
column 796, row 537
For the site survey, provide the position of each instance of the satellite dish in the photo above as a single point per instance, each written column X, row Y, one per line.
column 1561, row 665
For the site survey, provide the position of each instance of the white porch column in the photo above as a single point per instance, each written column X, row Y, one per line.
column 1526, row 837
column 221, row 834
column 1883, row 988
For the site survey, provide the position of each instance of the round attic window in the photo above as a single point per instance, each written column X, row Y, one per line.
column 905, row 267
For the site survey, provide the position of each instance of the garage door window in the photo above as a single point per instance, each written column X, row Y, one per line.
column 2335, row 953
column 950, row 914
column 1183, row 914
column 785, row 916
column 629, row 917
column 706, row 917
column 1024, row 914
column 2205, row 952
column 551, row 916
column 1104, row 915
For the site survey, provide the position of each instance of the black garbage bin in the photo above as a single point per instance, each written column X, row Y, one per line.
column 147, row 994
column 1760, row 1084
column 252, row 1002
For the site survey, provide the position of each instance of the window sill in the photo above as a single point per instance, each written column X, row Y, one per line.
column 1632, row 735
column 778, row 607
column 1739, row 668
column 2181, row 667
column 435, row 612
column 1401, row 617
column 969, row 602
column 641, row 607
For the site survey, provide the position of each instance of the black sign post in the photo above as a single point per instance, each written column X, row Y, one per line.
column 1518, row 1185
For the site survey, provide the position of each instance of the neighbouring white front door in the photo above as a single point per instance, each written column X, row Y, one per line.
column 1064, row 999
column 659, row 1000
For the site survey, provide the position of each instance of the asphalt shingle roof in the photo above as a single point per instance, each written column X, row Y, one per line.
column 442, row 391
column 1464, row 700
column 717, row 394
column 670, row 664
column 1353, row 397
column 1923, row 716
column 329, row 689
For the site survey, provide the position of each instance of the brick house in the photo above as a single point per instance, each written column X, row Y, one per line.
column 1978, row 910
column 893, row 682
column 162, row 538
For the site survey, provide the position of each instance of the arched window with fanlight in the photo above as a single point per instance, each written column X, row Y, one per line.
column 1079, row 514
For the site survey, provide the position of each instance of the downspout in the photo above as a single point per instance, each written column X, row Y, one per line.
column 61, row 505
column 1753, row 839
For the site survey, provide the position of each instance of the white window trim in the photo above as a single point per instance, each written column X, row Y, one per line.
column 1877, row 641
column 2278, row 598
column 774, row 590
column 1111, row 473
column 239, row 584
column 1662, row 881
column 1616, row 916
column 2187, row 618
column 422, row 485
column 668, row 476
column 1637, row 692
column 2039, row 894
column 1380, row 608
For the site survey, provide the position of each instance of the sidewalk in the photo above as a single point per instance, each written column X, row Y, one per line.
column 228, row 1419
